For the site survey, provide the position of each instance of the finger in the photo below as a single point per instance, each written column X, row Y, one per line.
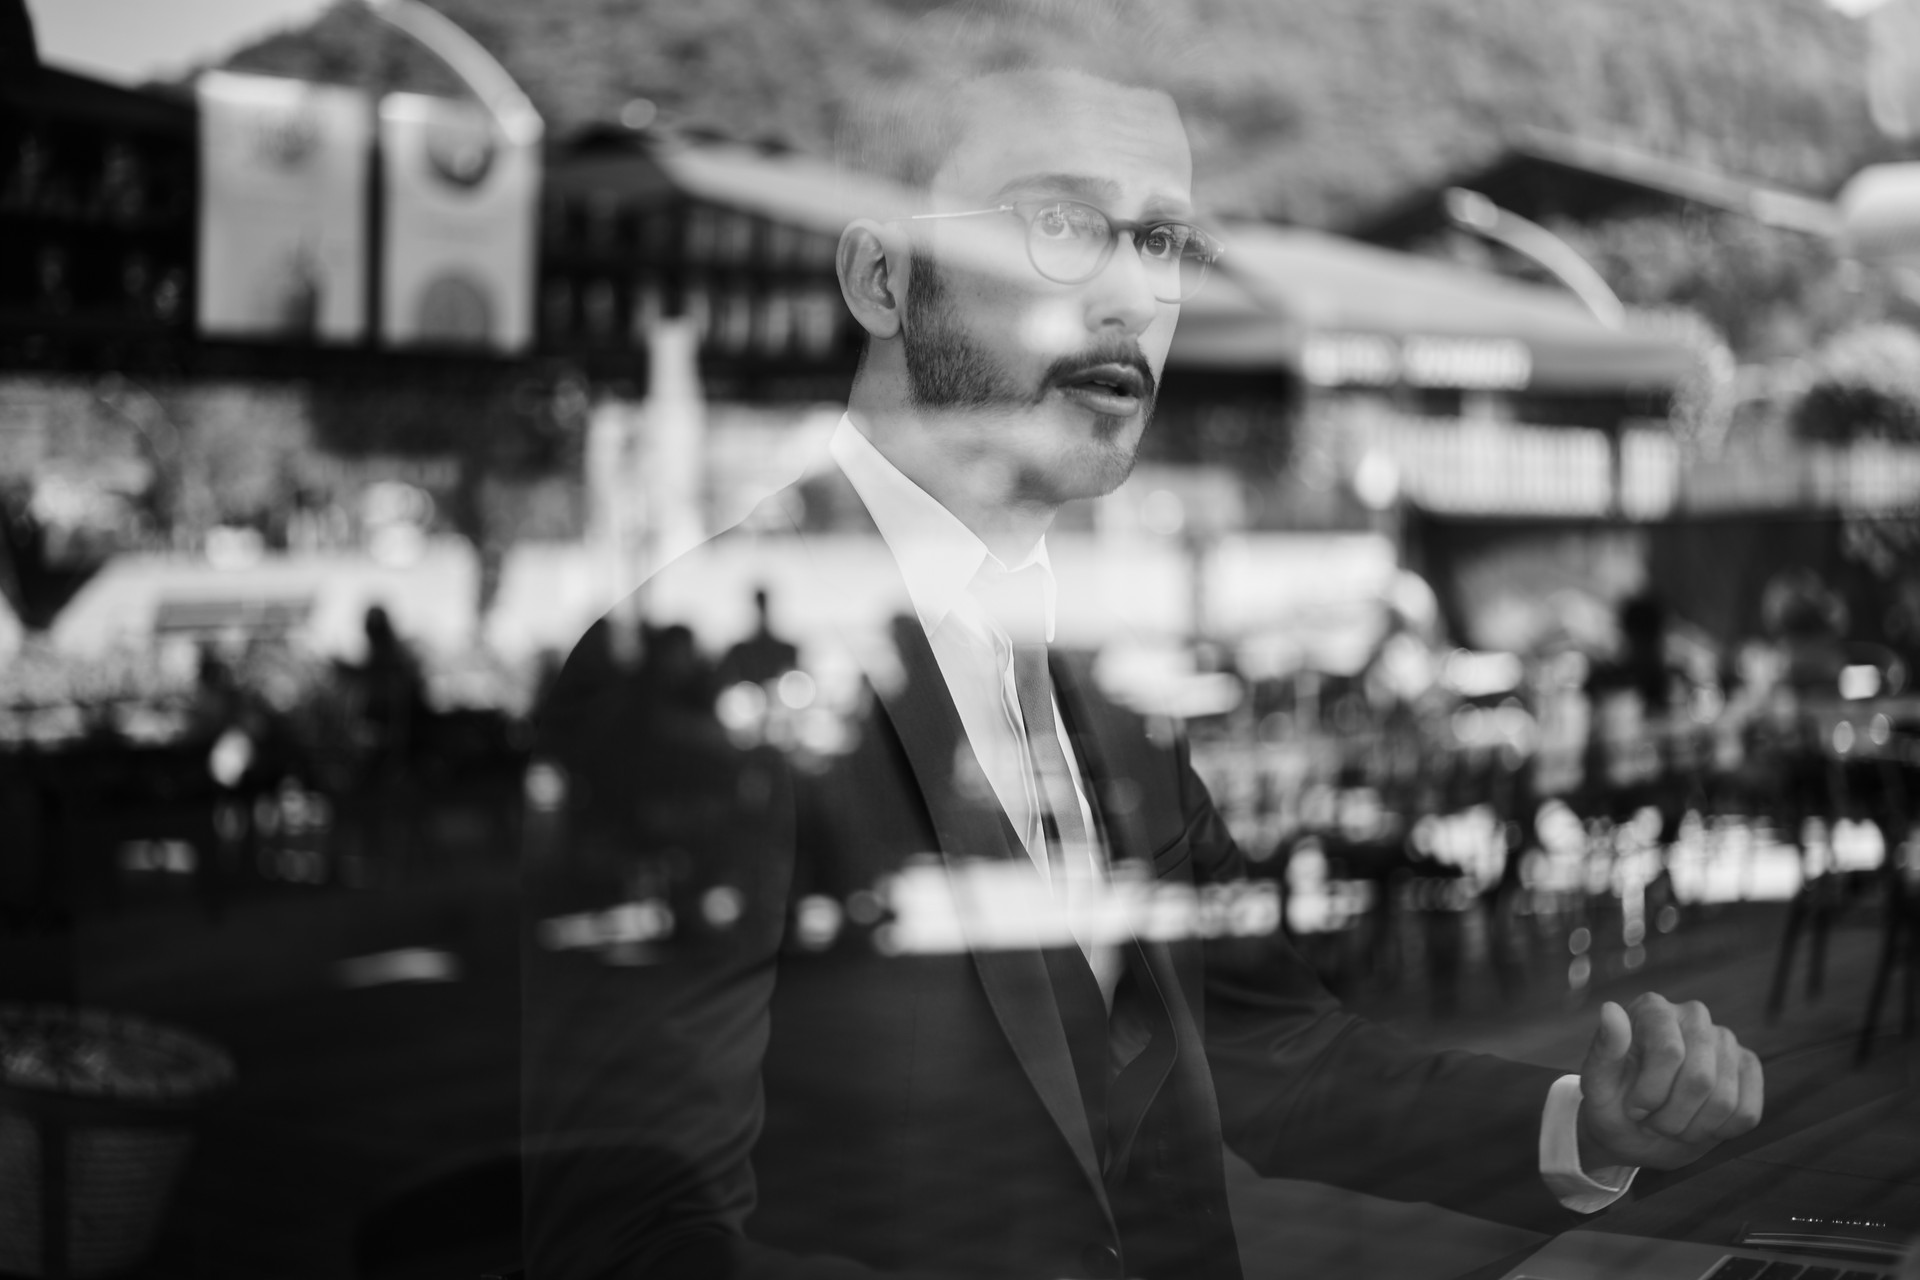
column 1660, row 1047
column 1602, row 1074
column 1753, row 1097
column 1695, row 1080
column 1724, row 1098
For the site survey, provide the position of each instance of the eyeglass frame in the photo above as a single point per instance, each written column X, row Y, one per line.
column 1114, row 227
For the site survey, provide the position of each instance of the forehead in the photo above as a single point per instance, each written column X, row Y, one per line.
column 1063, row 124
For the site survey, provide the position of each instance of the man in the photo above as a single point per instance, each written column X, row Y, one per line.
column 785, row 1085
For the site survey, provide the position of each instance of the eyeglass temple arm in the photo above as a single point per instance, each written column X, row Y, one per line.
column 964, row 213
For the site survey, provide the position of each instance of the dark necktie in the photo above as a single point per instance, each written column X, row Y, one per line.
column 1017, row 601
column 1063, row 828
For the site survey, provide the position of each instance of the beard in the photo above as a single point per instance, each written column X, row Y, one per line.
column 949, row 371
column 946, row 368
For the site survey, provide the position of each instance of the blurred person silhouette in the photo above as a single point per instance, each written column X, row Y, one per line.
column 1795, row 669
column 387, row 712
column 232, row 727
column 1807, row 620
column 1636, row 754
column 736, row 1061
column 217, row 702
column 762, row 656
column 391, row 700
column 1644, row 667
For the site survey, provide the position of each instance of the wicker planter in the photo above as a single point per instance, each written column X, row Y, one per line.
column 96, row 1121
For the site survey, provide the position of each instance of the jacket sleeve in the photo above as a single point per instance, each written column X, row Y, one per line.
column 1309, row 1090
column 642, row 1048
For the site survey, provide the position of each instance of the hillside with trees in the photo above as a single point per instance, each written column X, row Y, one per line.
column 1303, row 111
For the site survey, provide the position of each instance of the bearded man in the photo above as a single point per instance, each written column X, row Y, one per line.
column 786, row 1092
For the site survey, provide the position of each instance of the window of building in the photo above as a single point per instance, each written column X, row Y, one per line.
column 776, row 323
column 658, row 235
column 701, row 234
column 734, row 238
column 556, row 308
column 649, row 304
column 699, row 309
column 734, row 322
column 816, row 321
column 601, row 307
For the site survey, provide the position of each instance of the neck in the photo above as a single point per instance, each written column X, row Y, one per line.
column 955, row 466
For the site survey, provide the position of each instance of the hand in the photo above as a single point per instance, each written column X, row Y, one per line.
column 1662, row 1086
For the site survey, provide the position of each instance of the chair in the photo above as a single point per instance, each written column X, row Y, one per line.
column 1900, row 885
column 1832, row 771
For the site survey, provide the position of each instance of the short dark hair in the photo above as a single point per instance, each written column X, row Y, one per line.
column 906, row 120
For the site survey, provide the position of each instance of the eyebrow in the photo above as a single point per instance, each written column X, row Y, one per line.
column 1078, row 186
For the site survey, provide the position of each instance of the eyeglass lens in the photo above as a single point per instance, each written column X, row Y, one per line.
column 1069, row 242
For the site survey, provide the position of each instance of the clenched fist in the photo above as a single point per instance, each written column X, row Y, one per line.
column 1662, row 1086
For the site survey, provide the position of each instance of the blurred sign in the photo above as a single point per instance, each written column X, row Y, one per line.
column 1376, row 360
column 283, row 169
column 459, row 227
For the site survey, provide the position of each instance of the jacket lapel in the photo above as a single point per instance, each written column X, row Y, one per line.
column 1148, row 1002
column 971, row 826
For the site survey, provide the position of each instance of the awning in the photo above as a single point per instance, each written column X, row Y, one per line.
column 214, row 615
column 1343, row 313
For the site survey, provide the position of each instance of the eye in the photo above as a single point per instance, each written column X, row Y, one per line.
column 1165, row 242
column 1069, row 222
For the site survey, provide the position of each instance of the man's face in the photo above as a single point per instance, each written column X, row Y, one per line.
column 1046, row 387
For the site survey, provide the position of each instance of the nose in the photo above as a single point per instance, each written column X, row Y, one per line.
column 1121, row 296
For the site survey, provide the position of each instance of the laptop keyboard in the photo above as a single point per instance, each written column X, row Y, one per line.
column 1731, row 1268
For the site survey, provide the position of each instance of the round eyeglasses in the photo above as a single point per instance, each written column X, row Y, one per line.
column 1071, row 243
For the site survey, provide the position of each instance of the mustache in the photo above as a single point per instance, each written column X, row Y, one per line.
column 1124, row 352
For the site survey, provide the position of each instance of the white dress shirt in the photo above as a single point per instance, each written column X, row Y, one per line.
column 940, row 559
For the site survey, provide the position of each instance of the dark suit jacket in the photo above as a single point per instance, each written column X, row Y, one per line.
column 747, row 1099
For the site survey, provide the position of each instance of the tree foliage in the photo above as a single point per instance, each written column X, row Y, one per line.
column 1866, row 382
column 1306, row 111
column 1771, row 292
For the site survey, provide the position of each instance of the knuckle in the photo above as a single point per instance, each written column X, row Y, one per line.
column 1715, row 1114
column 1665, row 1053
column 1696, row 1077
column 1667, row 1126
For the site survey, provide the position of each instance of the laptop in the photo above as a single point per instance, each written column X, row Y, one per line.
column 1595, row 1255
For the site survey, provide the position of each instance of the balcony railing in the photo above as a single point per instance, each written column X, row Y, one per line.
column 1489, row 467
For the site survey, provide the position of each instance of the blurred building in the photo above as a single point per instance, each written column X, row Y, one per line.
column 1547, row 176
column 1683, row 476
column 97, row 209
column 637, row 225
column 1322, row 385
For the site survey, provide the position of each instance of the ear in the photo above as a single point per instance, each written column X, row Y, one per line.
column 872, row 262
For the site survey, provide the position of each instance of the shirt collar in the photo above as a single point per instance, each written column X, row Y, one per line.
column 937, row 554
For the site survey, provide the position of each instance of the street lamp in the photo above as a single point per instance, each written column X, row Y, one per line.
column 1473, row 212
column 512, row 111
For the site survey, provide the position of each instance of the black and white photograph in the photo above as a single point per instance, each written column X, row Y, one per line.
column 959, row 639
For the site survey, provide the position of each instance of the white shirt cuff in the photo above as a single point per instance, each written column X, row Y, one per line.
column 1560, row 1167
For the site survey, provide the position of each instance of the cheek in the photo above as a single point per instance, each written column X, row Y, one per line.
column 1158, row 339
column 1051, row 329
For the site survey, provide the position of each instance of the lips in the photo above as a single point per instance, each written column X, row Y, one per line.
column 1112, row 388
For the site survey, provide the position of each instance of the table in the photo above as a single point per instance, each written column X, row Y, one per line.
column 1862, row 1157
column 1865, row 1161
